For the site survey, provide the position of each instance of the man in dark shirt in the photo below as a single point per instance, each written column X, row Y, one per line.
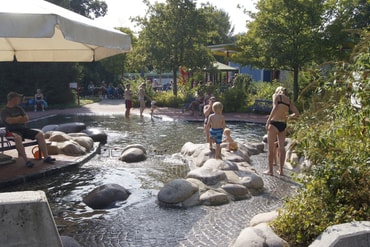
column 15, row 119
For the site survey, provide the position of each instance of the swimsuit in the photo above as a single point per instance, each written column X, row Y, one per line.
column 216, row 134
column 281, row 126
column 282, row 102
column 128, row 104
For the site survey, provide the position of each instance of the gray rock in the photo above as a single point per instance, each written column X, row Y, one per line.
column 71, row 148
column 238, row 191
column 264, row 218
column 106, row 196
column 214, row 198
column 251, row 180
column 220, row 164
column 49, row 127
column 260, row 235
column 355, row 233
column 133, row 154
column 97, row 135
column 176, row 191
column 208, row 176
column 189, row 148
column 71, row 127
column 192, row 201
column 84, row 141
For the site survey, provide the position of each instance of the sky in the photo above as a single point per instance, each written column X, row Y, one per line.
column 120, row 11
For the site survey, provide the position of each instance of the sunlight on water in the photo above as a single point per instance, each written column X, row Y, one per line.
column 163, row 141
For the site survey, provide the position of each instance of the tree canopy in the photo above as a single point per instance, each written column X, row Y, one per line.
column 173, row 35
column 282, row 35
column 288, row 35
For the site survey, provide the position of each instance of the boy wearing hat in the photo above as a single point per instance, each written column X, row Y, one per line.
column 15, row 119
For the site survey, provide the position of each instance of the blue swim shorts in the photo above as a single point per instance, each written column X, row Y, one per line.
column 216, row 134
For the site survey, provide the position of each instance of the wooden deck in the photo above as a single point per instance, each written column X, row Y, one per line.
column 16, row 172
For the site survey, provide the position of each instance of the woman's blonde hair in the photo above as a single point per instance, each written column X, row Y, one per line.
column 280, row 90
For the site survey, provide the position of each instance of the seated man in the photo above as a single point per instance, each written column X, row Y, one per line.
column 15, row 119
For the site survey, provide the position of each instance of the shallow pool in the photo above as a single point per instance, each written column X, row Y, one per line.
column 163, row 141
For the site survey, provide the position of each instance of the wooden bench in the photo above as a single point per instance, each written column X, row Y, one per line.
column 262, row 106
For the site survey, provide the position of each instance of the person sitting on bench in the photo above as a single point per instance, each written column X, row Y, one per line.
column 40, row 100
column 15, row 119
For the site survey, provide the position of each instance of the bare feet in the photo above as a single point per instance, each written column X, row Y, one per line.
column 267, row 172
column 281, row 173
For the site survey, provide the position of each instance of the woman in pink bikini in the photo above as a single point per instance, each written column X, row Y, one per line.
column 276, row 127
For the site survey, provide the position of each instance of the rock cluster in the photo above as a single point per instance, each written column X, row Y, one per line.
column 211, row 181
column 72, row 139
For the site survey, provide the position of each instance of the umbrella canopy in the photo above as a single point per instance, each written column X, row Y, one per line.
column 223, row 67
column 35, row 30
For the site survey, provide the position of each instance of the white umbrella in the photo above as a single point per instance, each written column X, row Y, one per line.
column 36, row 30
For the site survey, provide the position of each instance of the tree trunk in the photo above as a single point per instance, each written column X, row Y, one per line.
column 295, row 83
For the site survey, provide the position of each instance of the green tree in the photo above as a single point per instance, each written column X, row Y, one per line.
column 344, row 21
column 172, row 36
column 219, row 29
column 88, row 8
column 282, row 35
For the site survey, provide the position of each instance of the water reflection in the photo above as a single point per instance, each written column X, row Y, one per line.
column 163, row 140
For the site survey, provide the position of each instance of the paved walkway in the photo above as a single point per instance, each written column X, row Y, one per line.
column 117, row 107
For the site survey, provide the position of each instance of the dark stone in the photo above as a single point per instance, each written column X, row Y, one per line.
column 97, row 135
column 50, row 127
column 74, row 127
column 106, row 196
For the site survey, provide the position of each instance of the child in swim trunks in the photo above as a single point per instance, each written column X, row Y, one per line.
column 216, row 125
column 231, row 145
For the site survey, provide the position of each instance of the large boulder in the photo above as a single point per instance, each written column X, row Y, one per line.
column 133, row 153
column 84, row 141
column 264, row 218
column 220, row 164
column 176, row 192
column 57, row 136
column 50, row 127
column 72, row 144
column 208, row 176
column 214, row 198
column 106, row 196
column 71, row 148
column 97, row 135
column 260, row 235
column 237, row 191
column 74, row 127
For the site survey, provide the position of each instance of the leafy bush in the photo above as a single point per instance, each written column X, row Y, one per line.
column 335, row 136
column 168, row 99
